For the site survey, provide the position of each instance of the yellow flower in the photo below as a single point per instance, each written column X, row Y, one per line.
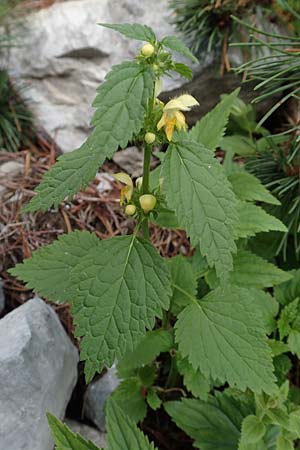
column 147, row 202
column 127, row 190
column 172, row 116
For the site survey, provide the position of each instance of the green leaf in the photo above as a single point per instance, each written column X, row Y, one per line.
column 252, row 431
column 294, row 422
column 238, row 144
column 211, row 128
column 48, row 270
column 247, row 187
column 183, row 283
column 294, row 342
column 119, row 289
column 282, row 366
column 223, row 336
column 183, row 70
column 215, row 424
column 175, row 44
column 287, row 292
column 194, row 380
column 153, row 399
column 254, row 219
column 197, row 190
column 268, row 308
column 65, row 439
column 288, row 315
column 129, row 397
column 132, row 31
column 123, row 434
column 120, row 105
column 166, row 219
column 277, row 347
column 149, row 347
column 250, row 270
column 284, row 443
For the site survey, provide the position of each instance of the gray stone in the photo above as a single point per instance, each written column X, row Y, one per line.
column 87, row 432
column 64, row 56
column 38, row 371
column 95, row 397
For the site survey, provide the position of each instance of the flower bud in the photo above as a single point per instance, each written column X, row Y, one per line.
column 139, row 183
column 147, row 50
column 149, row 138
column 147, row 202
column 130, row 210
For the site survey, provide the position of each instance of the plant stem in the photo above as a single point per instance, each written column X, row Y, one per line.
column 145, row 229
column 173, row 374
column 145, row 186
column 146, row 169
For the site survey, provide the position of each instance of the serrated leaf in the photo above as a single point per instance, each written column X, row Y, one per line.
column 132, row 31
column 253, row 430
column 153, row 399
column 277, row 347
column 175, row 44
column 247, row 187
column 223, row 336
column 148, row 348
column 294, row 342
column 210, row 129
column 254, row 219
column 123, row 434
column 183, row 281
column 120, row 108
column 128, row 395
column 284, row 443
column 197, row 190
column 215, row 424
column 183, row 70
column 119, row 289
column 238, row 144
column 48, row 270
column 268, row 308
column 194, row 380
column 65, row 439
column 250, row 270
column 287, row 316
column 287, row 292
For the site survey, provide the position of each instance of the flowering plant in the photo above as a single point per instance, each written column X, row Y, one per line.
column 197, row 324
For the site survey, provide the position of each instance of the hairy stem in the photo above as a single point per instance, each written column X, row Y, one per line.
column 145, row 186
column 146, row 169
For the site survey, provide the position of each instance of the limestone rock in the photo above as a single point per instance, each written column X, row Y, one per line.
column 64, row 57
column 38, row 371
column 87, row 432
column 95, row 397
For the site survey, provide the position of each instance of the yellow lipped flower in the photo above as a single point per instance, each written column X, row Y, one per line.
column 173, row 117
column 127, row 190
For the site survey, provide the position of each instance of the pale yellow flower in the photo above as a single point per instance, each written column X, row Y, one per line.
column 173, row 117
column 127, row 190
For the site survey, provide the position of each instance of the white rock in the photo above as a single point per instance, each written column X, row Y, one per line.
column 87, row 432
column 64, row 57
column 95, row 397
column 38, row 371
